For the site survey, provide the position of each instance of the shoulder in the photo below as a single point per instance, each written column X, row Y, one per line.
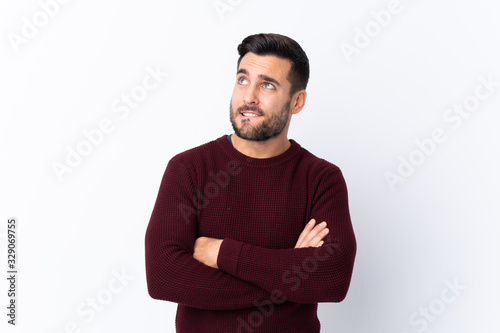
column 196, row 154
column 318, row 166
column 325, row 176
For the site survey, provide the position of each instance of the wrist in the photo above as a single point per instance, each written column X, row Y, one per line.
column 228, row 256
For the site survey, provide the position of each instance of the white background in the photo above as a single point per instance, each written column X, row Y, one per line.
column 363, row 112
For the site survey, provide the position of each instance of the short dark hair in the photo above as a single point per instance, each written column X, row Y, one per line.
column 282, row 47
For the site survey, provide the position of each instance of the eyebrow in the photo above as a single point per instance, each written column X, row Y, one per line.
column 261, row 76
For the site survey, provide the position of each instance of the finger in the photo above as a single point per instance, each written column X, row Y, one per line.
column 318, row 239
column 306, row 230
column 308, row 239
column 314, row 236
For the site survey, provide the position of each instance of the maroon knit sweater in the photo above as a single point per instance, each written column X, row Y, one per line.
column 258, row 207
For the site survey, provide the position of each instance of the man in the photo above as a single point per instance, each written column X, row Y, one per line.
column 233, row 236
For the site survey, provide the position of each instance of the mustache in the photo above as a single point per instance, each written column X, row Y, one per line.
column 253, row 108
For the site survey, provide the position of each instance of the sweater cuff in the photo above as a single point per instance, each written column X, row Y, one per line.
column 229, row 253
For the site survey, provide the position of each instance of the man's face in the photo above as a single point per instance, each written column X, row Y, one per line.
column 260, row 105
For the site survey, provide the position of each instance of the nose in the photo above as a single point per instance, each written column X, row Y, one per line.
column 250, row 96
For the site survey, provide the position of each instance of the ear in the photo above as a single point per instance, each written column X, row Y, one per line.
column 298, row 101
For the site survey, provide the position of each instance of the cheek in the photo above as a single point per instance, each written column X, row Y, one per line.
column 238, row 96
column 269, row 104
column 238, row 90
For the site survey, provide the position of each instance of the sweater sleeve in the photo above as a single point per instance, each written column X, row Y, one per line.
column 172, row 273
column 303, row 275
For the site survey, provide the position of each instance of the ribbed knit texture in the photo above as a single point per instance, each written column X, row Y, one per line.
column 259, row 207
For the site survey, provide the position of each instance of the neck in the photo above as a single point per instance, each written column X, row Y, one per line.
column 261, row 149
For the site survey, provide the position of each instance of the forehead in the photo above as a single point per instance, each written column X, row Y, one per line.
column 268, row 64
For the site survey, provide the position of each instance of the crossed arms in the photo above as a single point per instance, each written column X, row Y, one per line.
column 206, row 249
column 227, row 274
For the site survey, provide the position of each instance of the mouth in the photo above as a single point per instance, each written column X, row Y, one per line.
column 249, row 114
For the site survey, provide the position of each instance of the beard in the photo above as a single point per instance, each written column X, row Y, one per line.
column 266, row 128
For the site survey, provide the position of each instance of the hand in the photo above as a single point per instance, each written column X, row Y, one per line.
column 312, row 235
column 206, row 250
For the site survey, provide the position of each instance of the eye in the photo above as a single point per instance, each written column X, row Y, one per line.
column 268, row 85
column 242, row 80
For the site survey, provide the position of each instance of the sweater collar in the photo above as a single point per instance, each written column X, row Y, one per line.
column 234, row 154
